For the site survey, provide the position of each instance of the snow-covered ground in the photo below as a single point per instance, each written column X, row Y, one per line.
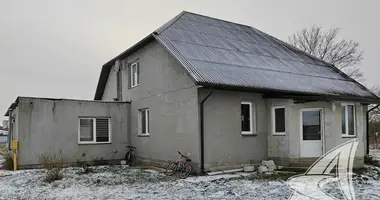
column 120, row 182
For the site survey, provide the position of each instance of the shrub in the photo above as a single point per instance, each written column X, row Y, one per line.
column 8, row 159
column 369, row 160
column 54, row 164
column 85, row 166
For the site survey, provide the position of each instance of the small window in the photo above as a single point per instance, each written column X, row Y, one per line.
column 134, row 74
column 94, row 130
column 348, row 120
column 278, row 120
column 144, row 121
column 247, row 118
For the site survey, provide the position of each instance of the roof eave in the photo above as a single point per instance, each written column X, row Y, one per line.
column 273, row 93
column 12, row 107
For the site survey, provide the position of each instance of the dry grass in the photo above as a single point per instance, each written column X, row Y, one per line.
column 7, row 156
column 54, row 164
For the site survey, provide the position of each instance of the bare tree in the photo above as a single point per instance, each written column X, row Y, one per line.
column 374, row 115
column 343, row 54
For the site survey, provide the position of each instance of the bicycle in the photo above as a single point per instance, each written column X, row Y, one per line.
column 182, row 165
column 128, row 155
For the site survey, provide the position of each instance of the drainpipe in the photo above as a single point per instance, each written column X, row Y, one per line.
column 10, row 132
column 368, row 126
column 201, row 117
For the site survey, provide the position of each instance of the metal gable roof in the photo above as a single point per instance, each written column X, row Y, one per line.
column 217, row 52
column 224, row 53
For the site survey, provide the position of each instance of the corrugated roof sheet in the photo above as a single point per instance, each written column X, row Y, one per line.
column 224, row 53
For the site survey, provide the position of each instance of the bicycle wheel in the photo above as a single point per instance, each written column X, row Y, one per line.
column 186, row 171
column 171, row 168
column 128, row 158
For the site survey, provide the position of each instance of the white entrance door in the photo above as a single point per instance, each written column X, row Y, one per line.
column 311, row 132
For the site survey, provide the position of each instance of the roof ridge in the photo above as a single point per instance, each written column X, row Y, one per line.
column 217, row 19
column 169, row 23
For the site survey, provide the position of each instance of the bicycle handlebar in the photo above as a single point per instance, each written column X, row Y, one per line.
column 182, row 155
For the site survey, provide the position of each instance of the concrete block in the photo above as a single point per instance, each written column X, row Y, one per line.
column 269, row 164
column 249, row 168
column 262, row 169
column 233, row 170
column 215, row 173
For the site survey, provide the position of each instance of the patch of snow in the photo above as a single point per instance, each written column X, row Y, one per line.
column 151, row 170
column 197, row 179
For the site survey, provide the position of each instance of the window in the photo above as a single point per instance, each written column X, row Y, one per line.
column 247, row 118
column 348, row 120
column 144, row 121
column 278, row 120
column 94, row 130
column 134, row 74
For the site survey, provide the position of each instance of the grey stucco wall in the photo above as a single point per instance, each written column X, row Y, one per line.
column 279, row 145
column 171, row 97
column 110, row 91
column 224, row 144
column 288, row 146
column 15, row 125
column 50, row 126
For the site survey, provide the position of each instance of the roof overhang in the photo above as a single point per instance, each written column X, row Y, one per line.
column 281, row 94
column 12, row 107
column 107, row 67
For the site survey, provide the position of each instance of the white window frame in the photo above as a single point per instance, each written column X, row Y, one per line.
column 94, row 131
column 134, row 75
column 252, row 124
column 346, row 135
column 140, row 133
column 274, row 120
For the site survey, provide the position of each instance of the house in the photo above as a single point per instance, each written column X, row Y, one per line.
column 3, row 134
column 224, row 94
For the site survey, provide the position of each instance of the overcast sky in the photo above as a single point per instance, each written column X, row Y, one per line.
column 56, row 48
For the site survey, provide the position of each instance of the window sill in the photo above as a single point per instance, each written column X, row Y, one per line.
column 94, row 143
column 248, row 134
column 135, row 86
column 143, row 135
column 348, row 136
column 279, row 134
